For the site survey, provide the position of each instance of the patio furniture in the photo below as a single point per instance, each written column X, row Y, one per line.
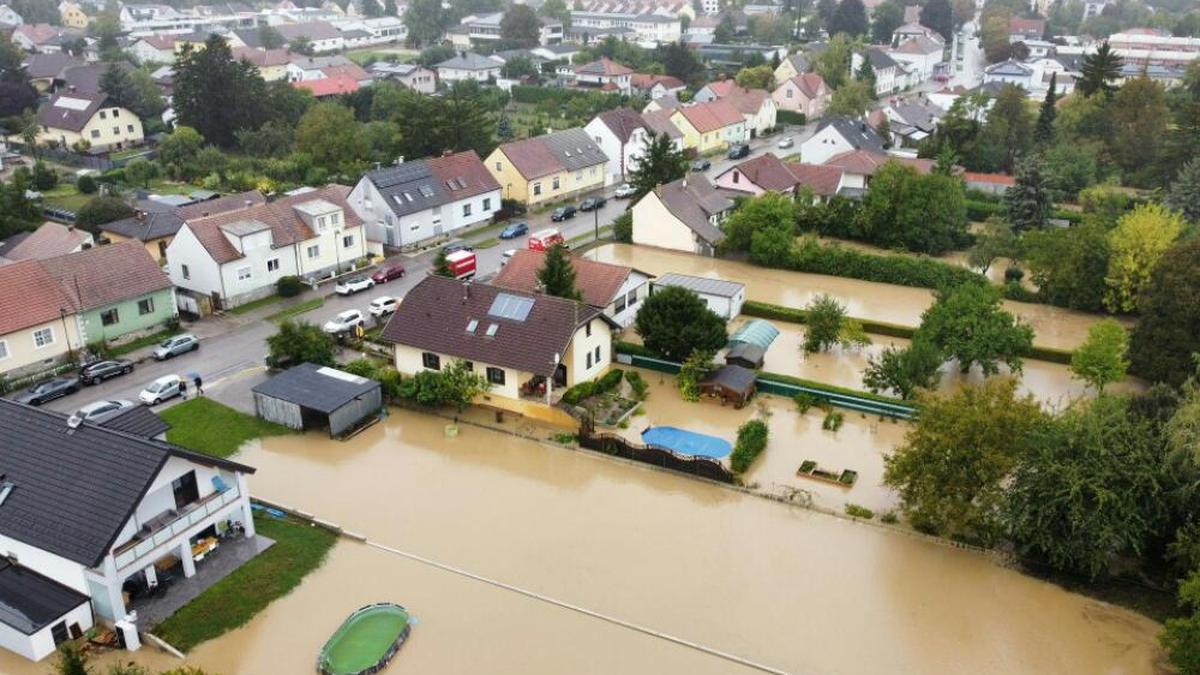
column 203, row 547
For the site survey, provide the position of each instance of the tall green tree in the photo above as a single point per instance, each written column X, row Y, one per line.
column 969, row 325
column 557, row 10
column 329, row 134
column 520, row 27
column 1167, row 333
column 885, row 19
column 679, row 61
column 904, row 371
column 1099, row 70
column 755, row 215
column 827, row 326
column 1181, row 637
column 675, row 322
column 217, row 95
column 16, row 93
column 850, row 18
column 1139, row 117
column 995, row 240
column 833, row 64
column 299, row 342
column 1027, row 203
column 1069, row 265
column 1044, row 132
column 556, row 276
column 270, row 37
column 661, row 163
column 1010, row 125
column 1101, row 359
column 937, row 15
column 1184, row 193
column 426, row 21
column 852, row 99
column 1139, row 240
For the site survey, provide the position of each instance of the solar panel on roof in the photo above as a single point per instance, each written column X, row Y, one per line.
column 508, row 306
column 395, row 175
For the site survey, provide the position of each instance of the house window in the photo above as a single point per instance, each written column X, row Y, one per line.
column 103, row 115
column 186, row 274
column 469, row 365
column 95, row 133
column 593, row 172
column 431, row 361
column 495, row 375
column 313, row 251
column 619, row 305
column 243, row 273
column 631, row 298
column 578, row 176
column 789, row 93
column 736, row 177
column 597, row 359
column 3, row 349
column 466, row 210
column 587, row 329
column 116, row 112
column 145, row 306
column 335, row 218
column 537, row 188
column 110, row 316
column 43, row 337
column 321, row 223
column 498, row 167
column 348, row 241
column 273, row 265
column 116, row 131
column 487, row 204
column 589, row 360
column 554, row 183
column 130, row 128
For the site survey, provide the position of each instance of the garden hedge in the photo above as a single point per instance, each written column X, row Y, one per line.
column 751, row 441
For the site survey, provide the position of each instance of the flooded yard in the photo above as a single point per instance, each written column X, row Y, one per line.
column 798, row 590
column 1055, row 327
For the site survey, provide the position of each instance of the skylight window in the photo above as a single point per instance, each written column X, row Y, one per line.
column 491, row 330
column 408, row 197
column 426, row 191
column 509, row 306
column 472, row 325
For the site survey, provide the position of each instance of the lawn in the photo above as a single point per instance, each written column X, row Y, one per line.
column 65, row 196
column 255, row 304
column 488, row 243
column 235, row 600
column 206, row 426
column 144, row 341
column 296, row 309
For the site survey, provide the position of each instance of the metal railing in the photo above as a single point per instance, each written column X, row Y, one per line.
column 194, row 513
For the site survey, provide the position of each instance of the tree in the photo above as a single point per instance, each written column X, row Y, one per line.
column 1167, row 333
column 968, row 324
column 1070, row 167
column 679, row 61
column 1184, row 194
column 1069, row 265
column 441, row 265
column 558, row 10
column 217, row 95
column 1098, row 71
column 950, row 469
column 302, row 44
column 725, row 30
column 1100, row 360
column 520, row 27
column 827, row 325
column 852, row 99
column 1140, row 239
column 995, row 240
column 299, row 342
column 833, row 64
column 1027, row 203
column 518, row 67
column 455, row 385
column 330, row 135
column 849, row 18
column 44, row 178
column 139, row 172
column 993, row 36
column 866, row 75
column 270, row 37
column 921, row 213
column 904, row 371
column 674, row 322
column 623, row 228
column 1009, row 125
column 660, row 164
column 758, row 77
column 1044, row 131
column 1139, row 117
column 691, row 372
column 825, row 10
column 1181, row 637
column 886, row 18
column 426, row 21
column 755, row 215
column 85, row 184
column 180, row 148
column 1090, row 487
column 100, row 211
column 556, row 276
column 937, row 15
column 115, row 83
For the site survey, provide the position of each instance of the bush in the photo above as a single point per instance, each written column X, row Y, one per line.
column 812, row 256
column 638, row 384
column 601, row 385
column 804, row 401
column 856, row 511
column 1013, row 273
column 765, row 310
column 833, row 421
column 86, row 185
column 890, row 518
column 101, row 210
column 751, row 441
column 978, row 211
column 790, row 117
column 623, row 228
column 289, row 286
column 634, row 349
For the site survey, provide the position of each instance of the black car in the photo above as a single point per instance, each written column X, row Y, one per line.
column 562, row 213
column 701, row 165
column 738, row 151
column 592, row 203
column 48, row 390
column 99, row 371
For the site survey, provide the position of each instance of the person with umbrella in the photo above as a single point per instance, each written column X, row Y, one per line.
column 198, row 382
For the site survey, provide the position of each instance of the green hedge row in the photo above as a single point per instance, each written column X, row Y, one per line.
column 751, row 441
column 790, row 117
column 978, row 211
column 902, row 270
column 832, row 388
column 600, row 385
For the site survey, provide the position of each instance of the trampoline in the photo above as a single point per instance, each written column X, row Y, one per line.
column 686, row 442
column 366, row 641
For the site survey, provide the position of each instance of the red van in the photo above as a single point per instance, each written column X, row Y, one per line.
column 543, row 240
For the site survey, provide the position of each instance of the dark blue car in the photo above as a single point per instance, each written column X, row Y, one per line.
column 514, row 230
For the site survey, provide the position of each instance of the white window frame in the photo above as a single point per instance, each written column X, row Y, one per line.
column 245, row 273
column 47, row 329
column 149, row 303
column 4, row 353
column 348, row 241
column 313, row 251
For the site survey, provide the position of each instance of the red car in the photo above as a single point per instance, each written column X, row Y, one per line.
column 387, row 273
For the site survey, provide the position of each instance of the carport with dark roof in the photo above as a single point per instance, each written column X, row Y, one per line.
column 309, row 396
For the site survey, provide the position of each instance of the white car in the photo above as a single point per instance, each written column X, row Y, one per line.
column 786, row 142
column 94, row 412
column 353, row 285
column 383, row 306
column 506, row 256
column 624, row 190
column 163, row 388
column 344, row 322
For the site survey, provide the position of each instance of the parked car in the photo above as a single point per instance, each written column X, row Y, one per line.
column 344, row 321
column 388, row 273
column 99, row 371
column 383, row 306
column 456, row 247
column 162, row 389
column 592, row 203
column 562, row 213
column 786, row 142
column 506, row 256
column 99, row 410
column 174, row 346
column 514, row 230
column 353, row 285
column 701, row 165
column 48, row 390
column 624, row 191
column 738, row 151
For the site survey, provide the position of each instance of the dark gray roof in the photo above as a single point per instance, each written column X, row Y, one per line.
column 704, row 285
column 316, row 387
column 314, row 30
column 880, row 60
column 733, row 377
column 857, row 133
column 153, row 225
column 29, row 601
column 70, row 110
column 693, row 201
column 1010, row 68
column 469, row 61
column 76, row 488
column 250, row 37
column 138, row 421
column 50, row 65
column 413, row 187
column 567, row 145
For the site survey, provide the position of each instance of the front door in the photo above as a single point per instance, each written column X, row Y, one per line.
column 560, row 375
column 185, row 489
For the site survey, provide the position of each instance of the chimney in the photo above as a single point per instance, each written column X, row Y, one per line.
column 466, row 290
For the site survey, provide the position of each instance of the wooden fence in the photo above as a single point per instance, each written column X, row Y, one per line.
column 612, row 444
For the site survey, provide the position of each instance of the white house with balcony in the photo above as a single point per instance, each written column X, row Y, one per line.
column 90, row 514
column 228, row 259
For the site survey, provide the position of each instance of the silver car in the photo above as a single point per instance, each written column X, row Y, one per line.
column 174, row 346
column 94, row 412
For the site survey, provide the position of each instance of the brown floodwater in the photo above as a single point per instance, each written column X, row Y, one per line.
column 778, row 584
column 1054, row 327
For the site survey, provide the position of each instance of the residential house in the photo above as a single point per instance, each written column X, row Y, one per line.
column 648, row 30
column 322, row 35
column 155, row 224
column 528, row 346
column 622, row 135
column 469, row 66
column 791, row 66
column 231, row 258
column 301, row 68
column 485, row 29
column 710, row 127
column 46, row 71
column 615, row 290
column 757, row 108
column 656, row 86
column 88, row 508
column 38, row 327
column 911, row 119
column 714, row 91
column 415, row 201
column 9, row 17
column 993, row 183
column 417, row 78
column 605, row 75
column 733, row 55
column 859, row 166
column 559, row 52
column 1009, row 72
column 326, row 87
column 47, row 241
column 683, row 215
column 667, row 102
column 806, row 94
column 73, row 16
column 659, row 123
column 272, row 64
column 921, row 56
column 889, row 75
column 36, row 37
column 75, row 117
column 768, row 173
column 157, row 48
column 909, row 31
column 548, row 168
column 838, row 134
column 1021, row 29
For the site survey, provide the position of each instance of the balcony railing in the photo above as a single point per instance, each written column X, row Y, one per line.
column 144, row 542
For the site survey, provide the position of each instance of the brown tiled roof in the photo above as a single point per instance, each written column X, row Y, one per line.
column 605, row 67
column 623, row 122
column 29, row 296
column 994, row 178
column 767, row 172
column 351, row 70
column 103, row 275
column 262, row 58
column 212, row 207
column 660, row 122
column 286, row 226
column 822, row 179
column 810, row 84
column 37, row 33
column 159, row 41
column 647, row 81
column 748, row 101
column 723, row 88
column 40, row 66
column 567, row 150
column 867, row 163
column 463, row 168
column 436, row 312
column 598, row 282
column 49, row 240
column 706, row 117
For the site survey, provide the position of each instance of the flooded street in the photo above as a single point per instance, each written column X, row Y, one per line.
column 798, row 590
column 1055, row 327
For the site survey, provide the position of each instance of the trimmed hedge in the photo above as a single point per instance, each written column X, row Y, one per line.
column 790, row 117
column 523, row 93
column 978, row 211
column 751, row 441
column 902, row 270
column 601, row 385
column 634, row 349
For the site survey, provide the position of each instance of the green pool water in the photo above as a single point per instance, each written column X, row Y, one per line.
column 363, row 640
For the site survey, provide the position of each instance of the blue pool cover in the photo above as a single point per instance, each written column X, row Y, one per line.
column 687, row 442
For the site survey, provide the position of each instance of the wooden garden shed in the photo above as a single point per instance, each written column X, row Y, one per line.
column 731, row 384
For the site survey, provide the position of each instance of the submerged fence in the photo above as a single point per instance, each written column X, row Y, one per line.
column 611, row 444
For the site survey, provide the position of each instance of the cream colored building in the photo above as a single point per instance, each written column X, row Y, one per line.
column 683, row 215
column 72, row 117
column 38, row 327
column 73, row 15
column 548, row 168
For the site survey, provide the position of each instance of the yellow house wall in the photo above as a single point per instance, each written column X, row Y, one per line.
column 73, row 17
column 581, row 345
column 151, row 246
column 22, row 352
column 654, row 225
column 513, row 185
column 106, row 137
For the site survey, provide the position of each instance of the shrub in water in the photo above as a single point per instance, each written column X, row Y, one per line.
column 751, row 441
column 859, row 511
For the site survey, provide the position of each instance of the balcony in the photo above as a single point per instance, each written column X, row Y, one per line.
column 166, row 526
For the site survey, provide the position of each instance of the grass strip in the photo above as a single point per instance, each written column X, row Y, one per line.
column 233, row 601
column 144, row 341
column 203, row 425
column 297, row 309
column 488, row 243
column 256, row 304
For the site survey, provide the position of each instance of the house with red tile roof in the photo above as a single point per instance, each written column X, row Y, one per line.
column 155, row 48
column 329, row 86
column 47, row 241
column 604, row 75
column 715, row 90
column 767, row 172
column 230, row 258
column 616, row 290
column 656, row 86
column 710, row 127
column 548, row 168
column 806, row 94
column 757, row 107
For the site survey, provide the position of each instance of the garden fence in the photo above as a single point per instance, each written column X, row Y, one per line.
column 611, row 444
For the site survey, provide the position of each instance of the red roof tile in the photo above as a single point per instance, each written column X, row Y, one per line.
column 822, row 179
column 29, row 296
column 598, row 282
column 706, row 117
column 466, row 167
column 329, row 86
column 103, row 275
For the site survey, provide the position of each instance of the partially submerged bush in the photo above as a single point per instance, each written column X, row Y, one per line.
column 751, row 441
